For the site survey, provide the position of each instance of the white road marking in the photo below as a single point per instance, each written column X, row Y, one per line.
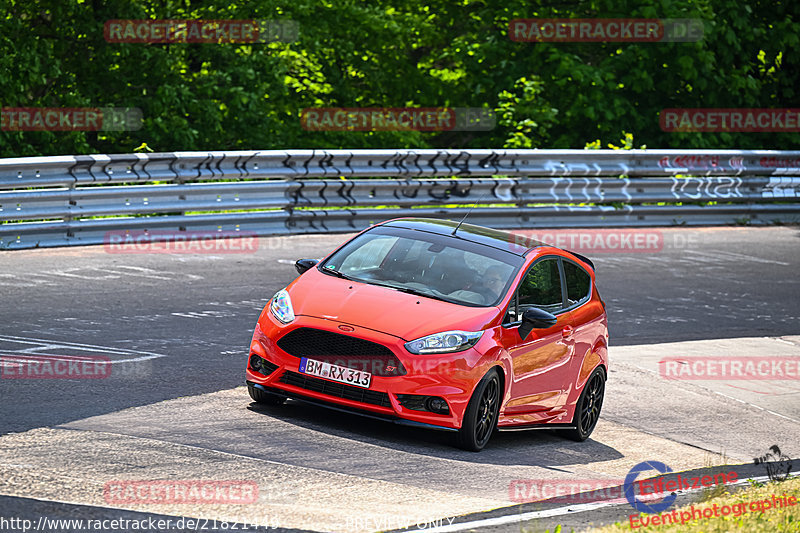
column 650, row 370
column 153, row 274
column 41, row 348
column 205, row 314
column 70, row 273
column 19, row 281
column 13, row 361
column 732, row 256
column 53, row 277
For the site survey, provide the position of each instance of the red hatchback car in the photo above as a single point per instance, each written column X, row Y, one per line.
column 440, row 325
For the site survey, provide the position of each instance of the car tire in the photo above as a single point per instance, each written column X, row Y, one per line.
column 587, row 410
column 265, row 398
column 480, row 418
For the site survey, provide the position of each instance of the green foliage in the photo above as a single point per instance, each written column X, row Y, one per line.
column 143, row 148
column 525, row 114
column 394, row 53
column 626, row 141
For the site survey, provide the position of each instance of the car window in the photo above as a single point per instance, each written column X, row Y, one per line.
column 368, row 256
column 579, row 284
column 432, row 265
column 541, row 287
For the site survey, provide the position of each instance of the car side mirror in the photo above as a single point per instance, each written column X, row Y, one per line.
column 535, row 318
column 301, row 265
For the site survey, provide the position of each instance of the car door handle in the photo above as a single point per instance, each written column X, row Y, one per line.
column 567, row 331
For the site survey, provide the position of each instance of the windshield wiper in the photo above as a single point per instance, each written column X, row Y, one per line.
column 415, row 292
column 336, row 273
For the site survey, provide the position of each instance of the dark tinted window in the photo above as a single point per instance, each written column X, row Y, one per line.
column 438, row 266
column 541, row 287
column 579, row 283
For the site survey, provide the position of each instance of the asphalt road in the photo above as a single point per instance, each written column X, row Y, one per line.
column 177, row 327
column 198, row 311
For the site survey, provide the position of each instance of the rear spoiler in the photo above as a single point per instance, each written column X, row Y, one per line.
column 584, row 259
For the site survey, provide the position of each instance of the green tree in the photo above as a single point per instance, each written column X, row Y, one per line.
column 394, row 54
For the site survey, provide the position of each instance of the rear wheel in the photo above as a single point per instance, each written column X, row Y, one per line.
column 587, row 411
column 480, row 418
column 263, row 397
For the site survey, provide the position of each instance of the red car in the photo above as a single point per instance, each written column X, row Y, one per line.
column 440, row 325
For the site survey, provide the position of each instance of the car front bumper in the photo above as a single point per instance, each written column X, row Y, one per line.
column 452, row 377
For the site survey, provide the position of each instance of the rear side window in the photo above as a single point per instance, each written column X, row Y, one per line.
column 579, row 284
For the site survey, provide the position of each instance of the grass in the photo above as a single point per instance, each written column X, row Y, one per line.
column 769, row 521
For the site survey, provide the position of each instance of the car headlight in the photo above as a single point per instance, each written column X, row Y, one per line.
column 445, row 342
column 281, row 307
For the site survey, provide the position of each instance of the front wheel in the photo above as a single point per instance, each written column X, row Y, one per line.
column 480, row 418
column 587, row 411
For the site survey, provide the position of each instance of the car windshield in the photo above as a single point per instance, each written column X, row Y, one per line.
column 436, row 266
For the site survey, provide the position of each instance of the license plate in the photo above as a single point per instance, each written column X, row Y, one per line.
column 342, row 374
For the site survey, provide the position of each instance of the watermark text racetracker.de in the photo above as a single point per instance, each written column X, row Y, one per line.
column 177, row 242
column 193, row 491
column 33, row 366
column 160, row 525
column 729, row 368
column 565, row 491
column 125, row 525
column 592, row 490
column 397, row 119
column 592, row 240
column 70, row 118
column 605, row 30
column 730, row 119
column 160, row 31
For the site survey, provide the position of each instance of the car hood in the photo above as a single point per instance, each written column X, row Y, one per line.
column 382, row 309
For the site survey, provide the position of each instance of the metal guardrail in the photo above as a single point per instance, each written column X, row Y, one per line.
column 56, row 201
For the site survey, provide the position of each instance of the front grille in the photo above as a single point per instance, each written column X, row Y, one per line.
column 340, row 390
column 342, row 350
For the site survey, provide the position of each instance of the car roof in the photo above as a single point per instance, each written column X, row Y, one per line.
column 502, row 240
